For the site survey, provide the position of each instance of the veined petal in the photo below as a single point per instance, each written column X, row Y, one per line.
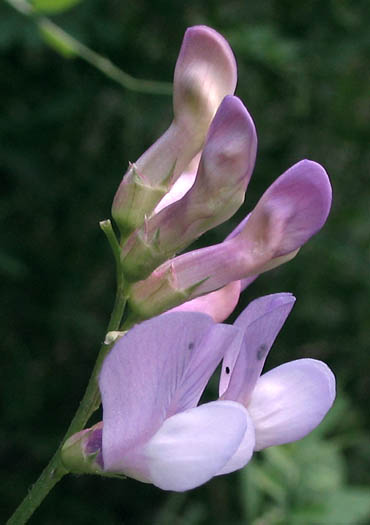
column 290, row 401
column 205, row 357
column 140, row 379
column 261, row 322
column 193, row 446
column 244, row 452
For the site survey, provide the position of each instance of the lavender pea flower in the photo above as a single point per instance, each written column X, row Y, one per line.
column 205, row 73
column 226, row 165
column 152, row 381
column 292, row 209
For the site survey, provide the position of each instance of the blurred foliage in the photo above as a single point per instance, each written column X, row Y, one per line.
column 53, row 6
column 306, row 481
column 67, row 133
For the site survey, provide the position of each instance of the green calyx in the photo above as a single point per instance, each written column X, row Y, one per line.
column 76, row 455
column 137, row 200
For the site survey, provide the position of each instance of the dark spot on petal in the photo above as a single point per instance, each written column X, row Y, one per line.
column 227, row 370
column 261, row 352
column 191, row 346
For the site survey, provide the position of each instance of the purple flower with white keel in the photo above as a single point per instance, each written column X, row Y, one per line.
column 151, row 383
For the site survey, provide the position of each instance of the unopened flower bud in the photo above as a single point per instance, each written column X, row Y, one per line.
column 293, row 209
column 205, row 72
column 224, row 171
column 82, row 452
column 164, row 294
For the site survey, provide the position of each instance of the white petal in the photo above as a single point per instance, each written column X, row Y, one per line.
column 290, row 401
column 244, row 453
column 193, row 446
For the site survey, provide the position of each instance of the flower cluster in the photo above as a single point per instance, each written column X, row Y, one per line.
column 192, row 179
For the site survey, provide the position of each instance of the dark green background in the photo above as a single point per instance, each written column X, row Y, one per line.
column 66, row 135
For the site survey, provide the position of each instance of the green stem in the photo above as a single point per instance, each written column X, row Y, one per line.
column 55, row 470
column 63, row 42
column 50, row 476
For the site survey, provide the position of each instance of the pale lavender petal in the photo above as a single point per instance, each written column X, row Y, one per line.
column 219, row 304
column 261, row 322
column 205, row 72
column 290, row 401
column 229, row 153
column 181, row 186
column 205, row 357
column 140, row 378
column 263, row 305
column 191, row 275
column 293, row 209
column 245, row 451
column 193, row 446
column 178, row 190
column 238, row 228
column 244, row 283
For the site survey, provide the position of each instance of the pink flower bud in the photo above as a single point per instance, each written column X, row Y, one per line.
column 293, row 209
column 219, row 304
column 82, row 452
column 224, row 171
column 205, row 72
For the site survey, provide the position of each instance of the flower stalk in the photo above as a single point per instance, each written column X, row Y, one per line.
column 55, row 470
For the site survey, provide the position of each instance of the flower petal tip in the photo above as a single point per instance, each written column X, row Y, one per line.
column 201, row 37
column 290, row 401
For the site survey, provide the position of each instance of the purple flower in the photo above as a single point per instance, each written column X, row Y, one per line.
column 152, row 381
column 225, row 167
column 205, row 73
column 291, row 210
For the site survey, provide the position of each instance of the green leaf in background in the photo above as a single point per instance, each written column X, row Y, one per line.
column 348, row 506
column 305, row 482
column 53, row 6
